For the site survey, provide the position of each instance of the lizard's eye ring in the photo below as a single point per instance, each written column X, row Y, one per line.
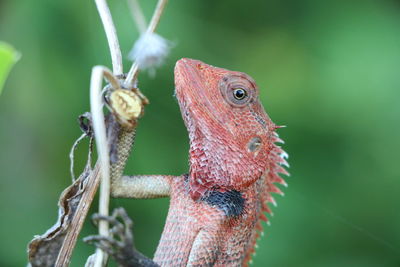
column 238, row 89
column 239, row 93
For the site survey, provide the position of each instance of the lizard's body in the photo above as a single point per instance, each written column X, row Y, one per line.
column 198, row 233
column 216, row 210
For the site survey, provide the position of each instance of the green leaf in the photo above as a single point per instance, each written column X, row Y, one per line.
column 8, row 57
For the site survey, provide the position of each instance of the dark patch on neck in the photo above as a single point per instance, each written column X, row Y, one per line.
column 230, row 202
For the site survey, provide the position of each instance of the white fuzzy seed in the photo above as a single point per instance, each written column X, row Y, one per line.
column 150, row 51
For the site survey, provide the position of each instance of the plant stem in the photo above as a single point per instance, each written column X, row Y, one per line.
column 111, row 34
column 99, row 127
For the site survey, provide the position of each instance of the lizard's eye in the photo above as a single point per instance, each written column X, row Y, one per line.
column 239, row 93
column 238, row 89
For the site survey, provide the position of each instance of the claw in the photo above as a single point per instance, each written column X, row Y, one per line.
column 120, row 212
column 121, row 238
column 110, row 219
column 103, row 240
column 120, row 245
column 95, row 240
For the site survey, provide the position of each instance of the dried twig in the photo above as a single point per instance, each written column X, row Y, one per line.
column 91, row 185
column 111, row 34
column 99, row 127
column 98, row 123
column 157, row 15
column 71, row 156
column 102, row 168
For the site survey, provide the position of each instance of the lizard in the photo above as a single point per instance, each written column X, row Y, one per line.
column 216, row 210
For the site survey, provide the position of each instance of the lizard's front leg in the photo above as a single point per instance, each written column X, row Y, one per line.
column 121, row 245
column 142, row 186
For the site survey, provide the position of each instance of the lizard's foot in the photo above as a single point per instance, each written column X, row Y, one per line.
column 120, row 245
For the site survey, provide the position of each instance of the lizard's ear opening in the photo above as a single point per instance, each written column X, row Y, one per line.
column 254, row 144
column 238, row 90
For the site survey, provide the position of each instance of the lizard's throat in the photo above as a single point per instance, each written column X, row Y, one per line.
column 216, row 164
column 206, row 172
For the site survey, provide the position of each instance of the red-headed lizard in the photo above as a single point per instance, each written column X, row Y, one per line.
column 216, row 210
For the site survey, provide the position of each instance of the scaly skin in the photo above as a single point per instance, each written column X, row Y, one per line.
column 202, row 229
column 216, row 210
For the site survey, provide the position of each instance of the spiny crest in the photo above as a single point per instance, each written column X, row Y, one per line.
column 277, row 159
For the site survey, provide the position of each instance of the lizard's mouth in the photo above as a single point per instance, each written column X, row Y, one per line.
column 182, row 73
column 186, row 77
column 190, row 91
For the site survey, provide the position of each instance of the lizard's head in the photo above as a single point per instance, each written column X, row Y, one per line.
column 231, row 136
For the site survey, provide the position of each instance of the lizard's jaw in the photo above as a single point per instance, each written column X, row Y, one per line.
column 203, row 127
column 192, row 93
column 197, row 92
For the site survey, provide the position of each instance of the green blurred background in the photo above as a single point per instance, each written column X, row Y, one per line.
column 329, row 70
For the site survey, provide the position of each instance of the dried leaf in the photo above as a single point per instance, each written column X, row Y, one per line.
column 43, row 250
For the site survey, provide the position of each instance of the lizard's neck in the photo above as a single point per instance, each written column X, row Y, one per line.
column 219, row 165
column 205, row 173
